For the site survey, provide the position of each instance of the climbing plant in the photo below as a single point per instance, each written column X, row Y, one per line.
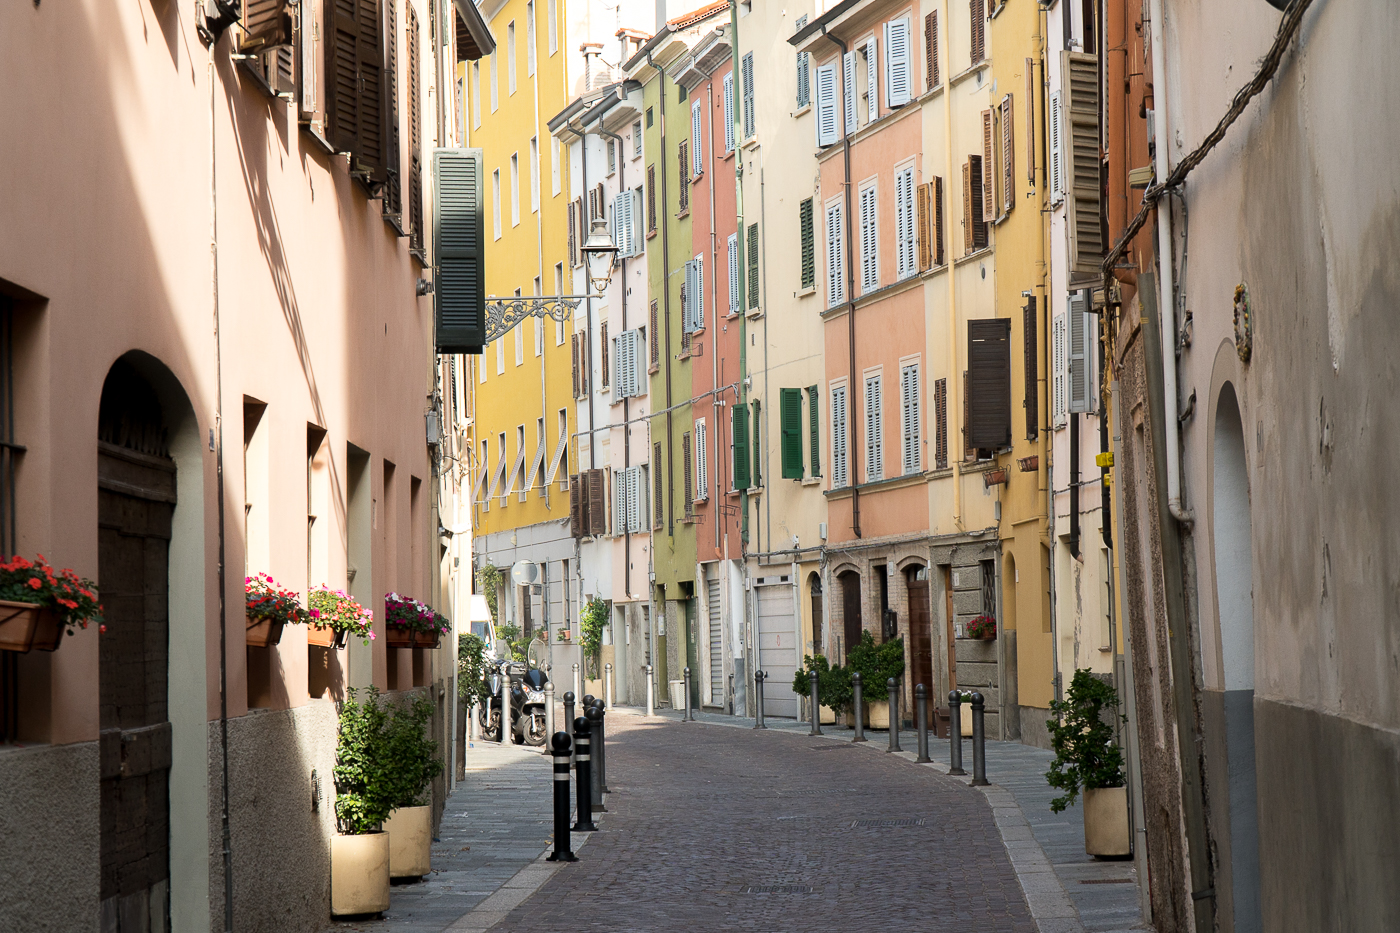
column 488, row 581
column 591, row 622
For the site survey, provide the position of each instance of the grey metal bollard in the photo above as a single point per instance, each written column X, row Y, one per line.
column 548, row 709
column 578, row 684
column 563, row 850
column 608, row 683
column 955, row 733
column 594, row 714
column 507, row 732
column 568, row 707
column 921, row 714
column 859, row 708
column 689, row 713
column 600, row 744
column 758, row 700
column 816, row 705
column 979, row 742
column 651, row 693
column 583, row 768
column 893, row 686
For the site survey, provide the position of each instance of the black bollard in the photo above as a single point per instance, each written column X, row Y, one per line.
column 594, row 715
column 563, row 850
column 979, row 742
column 893, row 686
column 583, row 767
column 955, row 733
column 816, row 705
column 921, row 713
column 569, row 712
column 758, row 700
column 689, row 713
column 600, row 744
column 859, row 708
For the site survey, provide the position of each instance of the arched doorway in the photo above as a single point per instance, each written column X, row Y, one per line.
column 1234, row 592
column 136, row 497
column 920, row 633
column 850, row 611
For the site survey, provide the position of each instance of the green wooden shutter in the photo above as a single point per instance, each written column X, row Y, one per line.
column 458, row 267
column 753, row 266
column 757, row 445
column 740, row 425
column 790, row 414
column 813, row 407
column 809, row 246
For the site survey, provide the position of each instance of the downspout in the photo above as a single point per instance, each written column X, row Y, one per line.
column 665, row 295
column 1166, row 304
column 219, row 496
column 1072, row 541
column 853, row 436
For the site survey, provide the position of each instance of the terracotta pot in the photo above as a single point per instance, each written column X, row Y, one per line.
column 410, row 832
column 398, row 637
column 263, row 633
column 324, row 636
column 427, row 640
column 1106, row 821
column 359, row 874
column 25, row 626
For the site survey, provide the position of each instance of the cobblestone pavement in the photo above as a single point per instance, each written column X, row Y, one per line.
column 731, row 829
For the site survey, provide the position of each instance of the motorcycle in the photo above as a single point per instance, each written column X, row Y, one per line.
column 526, row 683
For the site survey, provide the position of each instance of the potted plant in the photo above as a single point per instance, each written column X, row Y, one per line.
column 364, row 795
column 269, row 608
column 415, row 762
column 1087, row 758
column 411, row 624
column 335, row 616
column 983, row 627
column 833, row 686
column 876, row 664
column 38, row 604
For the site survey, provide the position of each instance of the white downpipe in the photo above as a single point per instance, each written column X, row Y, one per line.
column 1166, row 304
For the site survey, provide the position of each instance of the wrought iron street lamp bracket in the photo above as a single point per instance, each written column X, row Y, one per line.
column 503, row 314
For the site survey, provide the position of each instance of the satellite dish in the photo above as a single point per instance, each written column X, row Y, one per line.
column 524, row 572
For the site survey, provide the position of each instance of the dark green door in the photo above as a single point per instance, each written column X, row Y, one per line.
column 692, row 658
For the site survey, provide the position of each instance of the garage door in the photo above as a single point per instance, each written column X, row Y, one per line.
column 716, row 639
column 777, row 647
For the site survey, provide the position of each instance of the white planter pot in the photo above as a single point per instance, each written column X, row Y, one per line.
column 1106, row 821
column 410, row 832
column 966, row 714
column 828, row 716
column 359, row 874
column 877, row 714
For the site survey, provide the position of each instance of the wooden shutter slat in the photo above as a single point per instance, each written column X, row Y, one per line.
column 370, row 155
column 976, row 202
column 651, row 198
column 939, row 256
column 753, row 266
column 575, row 509
column 688, row 483
column 790, row 427
column 605, row 349
column 756, row 442
column 656, row 515
column 265, row 23
column 1030, row 121
column 940, row 415
column 1008, row 156
column 415, row 135
column 653, row 337
column 1031, row 365
column 740, row 433
column 925, row 253
column 989, row 383
column 814, row 435
column 389, row 110
column 967, row 174
column 931, row 49
column 978, row 45
column 809, row 245
column 989, row 208
column 597, row 504
column 1083, row 164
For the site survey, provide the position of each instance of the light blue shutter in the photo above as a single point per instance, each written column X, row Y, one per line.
column 897, row 65
column 835, row 264
column 826, row 105
column 874, row 431
column 911, row 417
column 869, row 260
column 699, row 292
column 839, row 473
column 697, row 155
column 872, row 95
column 734, row 273
column 849, row 91
column 747, row 78
column 729, row 112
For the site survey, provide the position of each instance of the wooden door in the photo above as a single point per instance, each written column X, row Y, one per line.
column 850, row 609
column 921, row 635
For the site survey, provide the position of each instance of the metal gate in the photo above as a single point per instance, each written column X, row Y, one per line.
column 777, row 645
column 716, row 623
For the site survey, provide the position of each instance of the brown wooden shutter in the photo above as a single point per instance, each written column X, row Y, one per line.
column 573, row 343
column 940, row 414
column 389, row 109
column 1083, row 161
column 603, row 341
column 989, row 383
column 371, row 158
column 682, row 153
column 573, row 235
column 969, row 452
column 575, row 507
column 597, row 504
column 989, row 195
column 689, row 485
column 979, row 30
column 342, row 75
column 602, row 202
column 653, row 338
column 265, row 23
column 968, row 172
column 651, row 200
column 415, row 134
column 977, row 202
column 925, row 253
column 1032, row 370
column 585, row 364
column 940, row 257
column 656, row 515
column 931, row 49
column 1008, row 157
column 592, row 212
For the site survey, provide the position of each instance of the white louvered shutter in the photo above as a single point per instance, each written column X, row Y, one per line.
column 874, row 433
column 634, row 496
column 729, row 112
column 839, row 473
column 869, row 261
column 702, row 461
column 898, row 79
column 1081, row 354
column 872, row 83
column 826, row 105
column 849, row 91
column 746, row 77
column 688, row 303
column 1060, row 365
column 804, row 79
column 910, row 417
column 734, row 273
column 835, row 264
column 634, row 361
column 699, row 292
column 697, row 154
column 905, row 246
column 1057, row 152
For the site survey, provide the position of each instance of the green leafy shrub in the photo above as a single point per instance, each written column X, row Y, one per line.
column 876, row 664
column 471, row 668
column 411, row 758
column 833, row 683
column 511, row 633
column 1086, row 756
column 364, row 784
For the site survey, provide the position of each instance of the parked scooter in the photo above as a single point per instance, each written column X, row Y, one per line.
column 526, row 685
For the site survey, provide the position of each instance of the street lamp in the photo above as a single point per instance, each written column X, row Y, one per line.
column 599, row 255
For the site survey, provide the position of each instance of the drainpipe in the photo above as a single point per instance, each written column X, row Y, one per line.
column 1166, row 304
column 853, row 436
column 1072, row 542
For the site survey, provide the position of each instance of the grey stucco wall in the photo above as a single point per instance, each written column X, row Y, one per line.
column 50, row 801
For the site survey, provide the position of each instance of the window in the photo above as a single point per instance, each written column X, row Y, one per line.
column 977, row 45
column 905, row 227
column 514, row 189
column 482, row 493
column 872, row 83
column 898, row 79
column 874, row 430
column 687, row 466
column 696, row 141
column 702, row 461
column 510, row 57
column 729, row 112
column 539, row 325
column 753, row 266
column 814, row 435
column 558, row 290
column 501, row 355
column 747, row 78
column 476, row 94
column 735, row 302
column 651, row 199
column 683, row 155
column 931, row 50
column 989, row 384
column 554, row 173
column 974, row 224
column 693, row 302
column 560, row 449
column 519, row 333
column 537, row 465
column 517, row 472
column 848, row 90
column 869, row 241
column 809, row 246
column 840, row 477
column 910, row 418
column 627, row 365
column 605, row 348
column 612, row 156
column 534, row 174
column 530, row 37
column 804, row 88
column 681, row 93
column 826, row 105
column 637, row 139
column 835, row 268
column 790, row 430
column 649, row 118
column 496, row 200
column 629, row 500
column 740, row 434
column 495, row 84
